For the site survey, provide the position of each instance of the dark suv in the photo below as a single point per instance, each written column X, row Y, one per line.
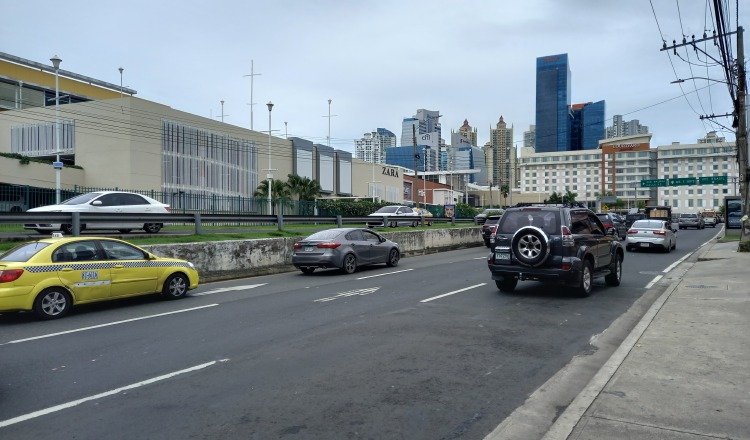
column 559, row 244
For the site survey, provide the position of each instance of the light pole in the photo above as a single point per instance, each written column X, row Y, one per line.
column 329, row 122
column 269, row 176
column 121, row 70
column 286, row 133
column 222, row 110
column 252, row 103
column 57, row 165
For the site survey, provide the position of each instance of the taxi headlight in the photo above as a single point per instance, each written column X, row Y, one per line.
column 192, row 266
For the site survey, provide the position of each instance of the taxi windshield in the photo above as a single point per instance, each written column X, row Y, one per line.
column 22, row 253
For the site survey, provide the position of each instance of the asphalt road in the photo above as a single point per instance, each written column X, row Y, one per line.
column 426, row 350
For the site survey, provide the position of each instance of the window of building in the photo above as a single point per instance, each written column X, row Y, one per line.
column 690, row 203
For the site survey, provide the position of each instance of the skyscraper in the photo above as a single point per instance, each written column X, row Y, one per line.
column 503, row 154
column 552, row 103
column 621, row 128
column 372, row 146
column 587, row 125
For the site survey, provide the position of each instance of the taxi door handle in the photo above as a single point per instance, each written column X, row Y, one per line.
column 118, row 266
column 66, row 269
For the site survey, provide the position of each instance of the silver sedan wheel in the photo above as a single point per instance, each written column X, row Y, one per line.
column 350, row 263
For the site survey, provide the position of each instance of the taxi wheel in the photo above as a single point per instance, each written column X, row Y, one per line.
column 176, row 286
column 52, row 303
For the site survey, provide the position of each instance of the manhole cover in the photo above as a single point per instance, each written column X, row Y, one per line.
column 701, row 286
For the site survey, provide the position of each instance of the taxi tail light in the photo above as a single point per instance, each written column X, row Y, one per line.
column 660, row 232
column 567, row 236
column 329, row 245
column 10, row 275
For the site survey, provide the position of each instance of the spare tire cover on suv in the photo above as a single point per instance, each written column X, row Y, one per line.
column 530, row 246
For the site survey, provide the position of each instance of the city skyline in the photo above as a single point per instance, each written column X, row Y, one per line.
column 369, row 75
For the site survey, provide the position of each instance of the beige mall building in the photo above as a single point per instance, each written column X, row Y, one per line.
column 111, row 139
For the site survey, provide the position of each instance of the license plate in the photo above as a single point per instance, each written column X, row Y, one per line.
column 645, row 244
column 502, row 256
column 309, row 248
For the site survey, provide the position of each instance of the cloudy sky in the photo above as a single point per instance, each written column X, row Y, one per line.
column 381, row 60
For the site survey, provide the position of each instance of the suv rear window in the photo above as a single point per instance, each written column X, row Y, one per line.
column 548, row 221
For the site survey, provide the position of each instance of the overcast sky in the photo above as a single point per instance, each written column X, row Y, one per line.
column 381, row 60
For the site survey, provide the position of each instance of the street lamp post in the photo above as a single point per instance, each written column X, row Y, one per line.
column 269, row 176
column 57, row 165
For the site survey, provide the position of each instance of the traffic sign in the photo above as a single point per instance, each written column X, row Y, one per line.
column 683, row 181
column 713, row 180
column 651, row 183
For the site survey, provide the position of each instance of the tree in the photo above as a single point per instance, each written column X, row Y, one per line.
column 279, row 190
column 303, row 188
column 569, row 197
column 505, row 190
column 554, row 198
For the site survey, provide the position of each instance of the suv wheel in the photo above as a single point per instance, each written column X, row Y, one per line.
column 530, row 246
column 613, row 279
column 586, row 281
column 506, row 285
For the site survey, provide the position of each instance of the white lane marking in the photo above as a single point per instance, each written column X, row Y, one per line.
column 228, row 289
column 654, row 281
column 107, row 324
column 454, row 292
column 381, row 274
column 673, row 265
column 479, row 258
column 56, row 408
column 359, row 292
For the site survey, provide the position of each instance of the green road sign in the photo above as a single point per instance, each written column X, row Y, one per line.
column 651, row 183
column 683, row 181
column 713, row 180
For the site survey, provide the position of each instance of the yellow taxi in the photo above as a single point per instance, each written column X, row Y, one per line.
column 49, row 276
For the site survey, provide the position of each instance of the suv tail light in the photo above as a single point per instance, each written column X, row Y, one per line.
column 9, row 275
column 567, row 236
column 329, row 245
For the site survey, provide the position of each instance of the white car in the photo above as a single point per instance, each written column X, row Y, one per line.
column 391, row 213
column 651, row 233
column 101, row 202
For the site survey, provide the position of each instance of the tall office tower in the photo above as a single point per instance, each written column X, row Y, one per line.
column 552, row 103
column 468, row 132
column 621, row 128
column 371, row 148
column 427, row 129
column 587, row 125
column 503, row 154
column 529, row 137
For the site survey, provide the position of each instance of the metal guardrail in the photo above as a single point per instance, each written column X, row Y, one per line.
column 78, row 219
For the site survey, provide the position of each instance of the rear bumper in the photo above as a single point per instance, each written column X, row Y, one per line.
column 502, row 271
column 324, row 261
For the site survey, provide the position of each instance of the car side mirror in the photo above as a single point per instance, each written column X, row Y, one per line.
column 97, row 203
column 611, row 231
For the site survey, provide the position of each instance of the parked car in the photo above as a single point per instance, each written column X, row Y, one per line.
column 554, row 244
column 610, row 220
column 488, row 229
column 480, row 218
column 102, row 202
column 424, row 213
column 651, row 233
column 344, row 248
column 50, row 276
column 734, row 220
column 691, row 220
column 391, row 214
column 632, row 217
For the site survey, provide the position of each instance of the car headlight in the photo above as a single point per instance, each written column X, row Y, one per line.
column 192, row 266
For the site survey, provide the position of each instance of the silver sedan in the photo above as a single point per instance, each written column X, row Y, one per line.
column 344, row 248
column 649, row 234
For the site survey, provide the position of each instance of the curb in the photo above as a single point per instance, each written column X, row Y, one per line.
column 564, row 425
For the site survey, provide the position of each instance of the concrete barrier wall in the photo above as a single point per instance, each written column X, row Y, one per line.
column 218, row 260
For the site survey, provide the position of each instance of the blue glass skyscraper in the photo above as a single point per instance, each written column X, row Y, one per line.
column 553, row 119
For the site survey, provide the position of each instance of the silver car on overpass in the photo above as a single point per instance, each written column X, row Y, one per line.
column 344, row 248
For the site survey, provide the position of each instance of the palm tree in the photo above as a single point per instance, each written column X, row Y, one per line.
column 505, row 189
column 304, row 188
column 279, row 190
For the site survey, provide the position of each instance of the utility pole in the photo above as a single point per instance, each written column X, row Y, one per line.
column 416, row 171
column 252, row 75
column 741, row 140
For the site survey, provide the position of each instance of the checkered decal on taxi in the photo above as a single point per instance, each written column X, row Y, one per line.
column 103, row 265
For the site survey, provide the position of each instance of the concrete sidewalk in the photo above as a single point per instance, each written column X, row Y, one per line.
column 684, row 371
